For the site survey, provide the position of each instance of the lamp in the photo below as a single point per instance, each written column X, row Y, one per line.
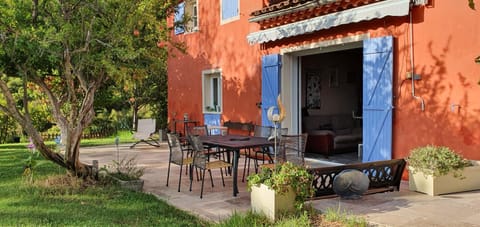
column 275, row 119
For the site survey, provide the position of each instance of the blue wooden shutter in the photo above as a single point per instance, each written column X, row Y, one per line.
column 270, row 84
column 229, row 9
column 178, row 17
column 377, row 98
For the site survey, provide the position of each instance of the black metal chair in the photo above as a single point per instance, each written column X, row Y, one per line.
column 259, row 154
column 202, row 161
column 178, row 156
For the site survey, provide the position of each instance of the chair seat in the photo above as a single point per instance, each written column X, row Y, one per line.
column 217, row 164
column 185, row 161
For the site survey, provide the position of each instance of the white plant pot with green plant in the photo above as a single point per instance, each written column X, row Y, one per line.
column 437, row 170
column 275, row 193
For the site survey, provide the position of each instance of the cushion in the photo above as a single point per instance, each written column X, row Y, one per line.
column 342, row 121
column 344, row 131
column 315, row 122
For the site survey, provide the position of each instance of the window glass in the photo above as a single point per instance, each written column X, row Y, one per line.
column 191, row 15
column 178, row 19
column 212, row 91
column 229, row 10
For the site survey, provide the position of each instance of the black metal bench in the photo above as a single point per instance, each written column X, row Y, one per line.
column 384, row 176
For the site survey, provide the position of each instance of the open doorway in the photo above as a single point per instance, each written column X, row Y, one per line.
column 331, row 104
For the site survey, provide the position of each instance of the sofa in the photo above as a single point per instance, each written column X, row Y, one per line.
column 330, row 134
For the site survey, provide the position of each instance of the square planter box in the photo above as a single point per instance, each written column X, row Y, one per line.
column 445, row 184
column 270, row 203
column 134, row 185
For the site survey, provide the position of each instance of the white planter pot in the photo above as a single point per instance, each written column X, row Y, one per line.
column 270, row 203
column 445, row 184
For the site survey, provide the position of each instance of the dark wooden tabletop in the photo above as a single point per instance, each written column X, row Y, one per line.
column 236, row 142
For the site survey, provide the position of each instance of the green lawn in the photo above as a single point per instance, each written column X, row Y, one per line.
column 64, row 203
column 56, row 200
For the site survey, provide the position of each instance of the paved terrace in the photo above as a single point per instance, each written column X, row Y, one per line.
column 403, row 208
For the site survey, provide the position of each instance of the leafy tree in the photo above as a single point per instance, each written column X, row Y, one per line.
column 69, row 49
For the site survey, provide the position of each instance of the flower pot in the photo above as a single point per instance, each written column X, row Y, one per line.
column 134, row 185
column 271, row 203
column 437, row 185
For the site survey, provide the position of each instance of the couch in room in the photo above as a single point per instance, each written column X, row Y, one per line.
column 330, row 134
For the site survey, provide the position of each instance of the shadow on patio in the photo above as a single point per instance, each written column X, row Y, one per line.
column 402, row 208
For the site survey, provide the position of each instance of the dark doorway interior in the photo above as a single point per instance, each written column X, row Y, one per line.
column 332, row 103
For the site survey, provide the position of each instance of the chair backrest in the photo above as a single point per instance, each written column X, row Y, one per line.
column 239, row 128
column 292, row 148
column 176, row 150
column 262, row 131
column 201, row 130
column 199, row 157
column 145, row 128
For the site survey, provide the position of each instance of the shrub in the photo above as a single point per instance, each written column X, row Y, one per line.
column 436, row 160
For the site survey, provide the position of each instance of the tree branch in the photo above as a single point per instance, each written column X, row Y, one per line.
column 11, row 108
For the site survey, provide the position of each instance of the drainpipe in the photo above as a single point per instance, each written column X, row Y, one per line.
column 422, row 102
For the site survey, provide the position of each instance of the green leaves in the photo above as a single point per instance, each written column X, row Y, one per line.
column 436, row 160
column 286, row 175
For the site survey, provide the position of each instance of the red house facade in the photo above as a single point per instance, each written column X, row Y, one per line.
column 401, row 73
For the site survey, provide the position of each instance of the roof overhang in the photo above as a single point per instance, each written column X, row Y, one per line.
column 363, row 13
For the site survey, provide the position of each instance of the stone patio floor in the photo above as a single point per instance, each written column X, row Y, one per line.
column 402, row 208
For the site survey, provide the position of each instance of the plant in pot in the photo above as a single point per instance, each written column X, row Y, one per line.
column 436, row 170
column 282, row 189
column 126, row 173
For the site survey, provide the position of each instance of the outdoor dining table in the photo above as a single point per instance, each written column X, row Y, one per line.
column 235, row 143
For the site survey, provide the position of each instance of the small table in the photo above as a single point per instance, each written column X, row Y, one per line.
column 320, row 141
column 235, row 143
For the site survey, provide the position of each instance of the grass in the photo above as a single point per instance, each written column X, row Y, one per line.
column 56, row 200
column 253, row 219
column 123, row 137
column 338, row 216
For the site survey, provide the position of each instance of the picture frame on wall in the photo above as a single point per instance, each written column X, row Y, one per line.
column 314, row 87
column 332, row 77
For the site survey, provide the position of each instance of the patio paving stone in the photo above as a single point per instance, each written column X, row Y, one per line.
column 403, row 208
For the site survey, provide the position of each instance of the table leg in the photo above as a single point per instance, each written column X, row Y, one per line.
column 236, row 156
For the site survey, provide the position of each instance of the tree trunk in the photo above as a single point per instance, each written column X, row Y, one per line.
column 71, row 128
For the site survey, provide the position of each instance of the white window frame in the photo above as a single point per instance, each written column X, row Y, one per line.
column 228, row 20
column 212, row 78
column 191, row 10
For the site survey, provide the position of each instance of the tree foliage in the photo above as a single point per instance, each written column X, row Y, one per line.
column 67, row 50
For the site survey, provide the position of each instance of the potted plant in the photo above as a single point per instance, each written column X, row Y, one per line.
column 436, row 170
column 280, row 190
column 125, row 173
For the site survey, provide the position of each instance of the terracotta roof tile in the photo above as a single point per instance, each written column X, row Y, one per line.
column 303, row 9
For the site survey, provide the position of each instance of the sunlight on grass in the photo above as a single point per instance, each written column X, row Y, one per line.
column 54, row 199
column 123, row 137
column 336, row 215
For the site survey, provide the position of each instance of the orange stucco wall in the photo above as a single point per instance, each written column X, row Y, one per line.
column 445, row 43
column 223, row 47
